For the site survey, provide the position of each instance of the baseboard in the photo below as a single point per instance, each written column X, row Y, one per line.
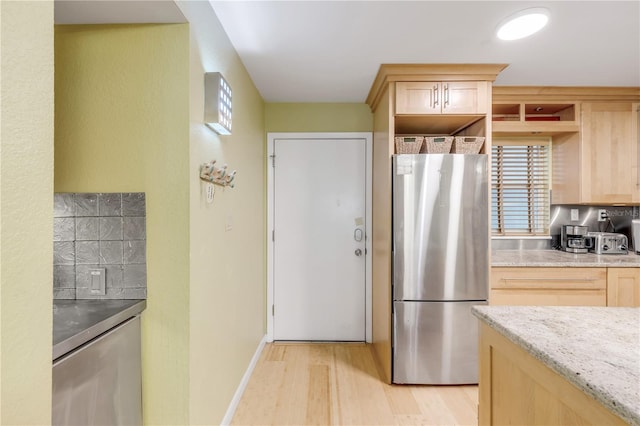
column 231, row 410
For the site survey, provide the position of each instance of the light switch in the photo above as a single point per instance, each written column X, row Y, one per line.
column 210, row 192
column 97, row 283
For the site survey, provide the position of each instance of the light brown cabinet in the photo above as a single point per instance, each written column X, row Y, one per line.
column 623, row 287
column 448, row 97
column 600, row 165
column 549, row 286
column 516, row 388
column 595, row 137
column 401, row 100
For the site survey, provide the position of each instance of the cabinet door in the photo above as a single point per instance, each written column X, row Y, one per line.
column 452, row 97
column 464, row 97
column 609, row 153
column 549, row 286
column 623, row 287
column 418, row 97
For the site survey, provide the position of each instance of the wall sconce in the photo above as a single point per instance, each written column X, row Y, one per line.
column 217, row 103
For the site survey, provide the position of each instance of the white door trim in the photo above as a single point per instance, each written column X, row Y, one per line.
column 271, row 137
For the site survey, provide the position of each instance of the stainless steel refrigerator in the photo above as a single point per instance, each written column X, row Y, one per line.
column 440, row 266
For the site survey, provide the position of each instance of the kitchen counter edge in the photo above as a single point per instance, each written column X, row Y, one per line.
column 561, row 259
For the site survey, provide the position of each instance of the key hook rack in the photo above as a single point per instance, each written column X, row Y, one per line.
column 218, row 175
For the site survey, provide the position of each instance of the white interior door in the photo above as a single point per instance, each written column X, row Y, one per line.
column 319, row 223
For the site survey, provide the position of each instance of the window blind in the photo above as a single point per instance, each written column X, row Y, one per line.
column 520, row 197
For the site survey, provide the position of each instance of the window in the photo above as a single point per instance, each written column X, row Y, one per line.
column 520, row 172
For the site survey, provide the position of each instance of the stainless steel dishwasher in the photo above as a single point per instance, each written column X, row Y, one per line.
column 99, row 383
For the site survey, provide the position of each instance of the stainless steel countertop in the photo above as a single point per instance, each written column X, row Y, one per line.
column 595, row 348
column 75, row 322
column 561, row 259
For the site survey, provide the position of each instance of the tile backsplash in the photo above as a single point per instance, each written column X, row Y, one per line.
column 99, row 236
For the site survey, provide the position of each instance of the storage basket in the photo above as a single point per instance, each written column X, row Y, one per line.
column 437, row 144
column 467, row 144
column 408, row 144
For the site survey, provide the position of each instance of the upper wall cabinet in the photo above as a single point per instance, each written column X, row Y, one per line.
column 448, row 97
column 610, row 136
column 595, row 140
column 601, row 165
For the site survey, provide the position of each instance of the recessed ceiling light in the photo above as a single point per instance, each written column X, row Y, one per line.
column 523, row 23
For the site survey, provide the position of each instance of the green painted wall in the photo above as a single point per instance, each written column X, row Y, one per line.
column 228, row 236
column 122, row 125
column 26, row 211
column 318, row 117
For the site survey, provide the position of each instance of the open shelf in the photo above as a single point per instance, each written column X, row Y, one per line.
column 547, row 119
column 433, row 124
column 442, row 125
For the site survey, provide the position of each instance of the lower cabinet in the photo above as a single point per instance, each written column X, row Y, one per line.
column 517, row 389
column 565, row 286
column 623, row 287
column 549, row 286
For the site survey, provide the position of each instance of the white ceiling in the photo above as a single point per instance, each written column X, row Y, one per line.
column 330, row 51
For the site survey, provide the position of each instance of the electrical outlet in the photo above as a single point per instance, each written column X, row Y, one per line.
column 575, row 214
column 602, row 215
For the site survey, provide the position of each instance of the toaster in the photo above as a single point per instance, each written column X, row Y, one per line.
column 608, row 243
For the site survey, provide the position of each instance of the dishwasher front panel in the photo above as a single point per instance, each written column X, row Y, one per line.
column 100, row 383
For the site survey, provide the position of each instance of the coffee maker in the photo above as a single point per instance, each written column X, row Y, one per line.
column 574, row 239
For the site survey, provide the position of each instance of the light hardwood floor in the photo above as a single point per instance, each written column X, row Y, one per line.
column 338, row 384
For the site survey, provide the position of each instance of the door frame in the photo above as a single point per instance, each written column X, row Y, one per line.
column 271, row 138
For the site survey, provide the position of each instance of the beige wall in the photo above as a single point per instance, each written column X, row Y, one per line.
column 228, row 236
column 26, row 211
column 318, row 117
column 122, row 105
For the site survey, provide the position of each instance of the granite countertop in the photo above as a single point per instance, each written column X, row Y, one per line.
column 557, row 258
column 75, row 322
column 595, row 348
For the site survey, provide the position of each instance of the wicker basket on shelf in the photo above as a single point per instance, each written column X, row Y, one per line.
column 467, row 144
column 408, row 144
column 437, row 144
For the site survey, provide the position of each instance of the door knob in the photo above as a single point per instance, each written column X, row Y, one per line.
column 358, row 252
